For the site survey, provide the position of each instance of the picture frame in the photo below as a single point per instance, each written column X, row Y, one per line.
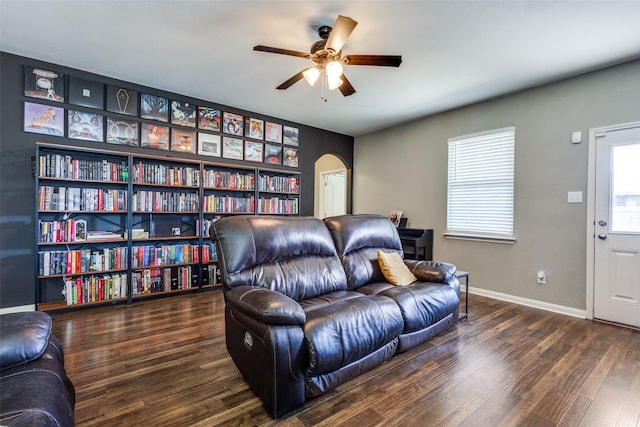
column 122, row 100
column 253, row 151
column 183, row 113
column 290, row 157
column 233, row 124
column 80, row 230
column 273, row 154
column 255, row 128
column 183, row 141
column 395, row 217
column 154, row 107
column 209, row 145
column 86, row 93
column 85, row 126
column 232, row 148
column 290, row 136
column 123, row 132
column 273, row 132
column 43, row 119
column 154, row 136
column 43, row 84
column 209, row 118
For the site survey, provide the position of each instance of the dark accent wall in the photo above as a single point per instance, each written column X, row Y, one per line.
column 17, row 183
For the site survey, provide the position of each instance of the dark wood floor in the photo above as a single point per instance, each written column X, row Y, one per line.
column 163, row 362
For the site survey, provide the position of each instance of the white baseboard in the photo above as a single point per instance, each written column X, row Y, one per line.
column 18, row 309
column 569, row 311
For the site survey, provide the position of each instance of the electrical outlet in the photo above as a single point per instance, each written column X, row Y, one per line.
column 541, row 277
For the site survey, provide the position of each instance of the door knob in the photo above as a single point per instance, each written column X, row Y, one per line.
column 602, row 236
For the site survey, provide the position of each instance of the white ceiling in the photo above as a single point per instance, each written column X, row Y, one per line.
column 454, row 52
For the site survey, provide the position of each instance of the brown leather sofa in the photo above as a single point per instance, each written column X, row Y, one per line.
column 308, row 308
column 34, row 387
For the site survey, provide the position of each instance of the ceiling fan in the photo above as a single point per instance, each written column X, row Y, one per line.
column 327, row 56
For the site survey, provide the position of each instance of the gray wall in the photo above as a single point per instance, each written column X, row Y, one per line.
column 405, row 168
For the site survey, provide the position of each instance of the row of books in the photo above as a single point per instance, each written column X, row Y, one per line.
column 156, row 256
column 279, row 184
column 82, row 261
column 277, row 205
column 78, row 290
column 154, row 280
column 214, row 203
column 165, row 201
column 66, row 167
column 145, row 173
column 209, row 253
column 70, row 230
column 229, row 180
column 81, row 199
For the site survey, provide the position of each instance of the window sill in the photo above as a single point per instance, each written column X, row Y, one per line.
column 480, row 238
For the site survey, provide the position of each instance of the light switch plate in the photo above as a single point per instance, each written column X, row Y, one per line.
column 574, row 197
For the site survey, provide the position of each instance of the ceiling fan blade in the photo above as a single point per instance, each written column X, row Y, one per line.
column 346, row 88
column 281, row 51
column 340, row 33
column 378, row 60
column 293, row 80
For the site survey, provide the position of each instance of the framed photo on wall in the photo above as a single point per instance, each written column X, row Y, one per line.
column 255, row 128
column 232, row 148
column 154, row 107
column 122, row 100
column 183, row 113
column 209, row 145
column 154, row 136
column 123, row 132
column 209, row 118
column 44, row 119
column 273, row 154
column 290, row 157
column 183, row 141
column 273, row 132
column 43, row 84
column 85, row 126
column 290, row 136
column 86, row 93
column 253, row 151
column 233, row 124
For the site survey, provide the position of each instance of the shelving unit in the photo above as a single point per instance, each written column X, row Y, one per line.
column 118, row 227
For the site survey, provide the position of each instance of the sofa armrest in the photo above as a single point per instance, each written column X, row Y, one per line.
column 265, row 305
column 431, row 271
column 24, row 337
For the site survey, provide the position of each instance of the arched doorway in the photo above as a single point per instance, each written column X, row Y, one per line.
column 332, row 187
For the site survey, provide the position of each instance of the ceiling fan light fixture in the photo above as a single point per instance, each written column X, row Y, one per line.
column 311, row 75
column 334, row 70
column 334, row 83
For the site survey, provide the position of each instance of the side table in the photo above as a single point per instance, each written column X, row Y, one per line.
column 464, row 275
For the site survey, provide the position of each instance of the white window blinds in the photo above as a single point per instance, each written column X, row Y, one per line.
column 481, row 182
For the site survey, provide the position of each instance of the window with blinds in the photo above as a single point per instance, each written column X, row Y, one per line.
column 480, row 185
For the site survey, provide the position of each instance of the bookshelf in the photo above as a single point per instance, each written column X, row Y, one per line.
column 114, row 226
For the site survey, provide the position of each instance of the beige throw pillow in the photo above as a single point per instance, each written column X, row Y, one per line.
column 394, row 269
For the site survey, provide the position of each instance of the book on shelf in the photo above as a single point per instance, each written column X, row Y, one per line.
column 103, row 235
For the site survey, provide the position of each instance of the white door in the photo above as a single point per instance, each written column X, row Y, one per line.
column 332, row 194
column 617, row 227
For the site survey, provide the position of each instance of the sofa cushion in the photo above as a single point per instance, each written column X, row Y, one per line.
column 291, row 255
column 347, row 330
column 394, row 269
column 358, row 238
column 423, row 304
column 25, row 337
